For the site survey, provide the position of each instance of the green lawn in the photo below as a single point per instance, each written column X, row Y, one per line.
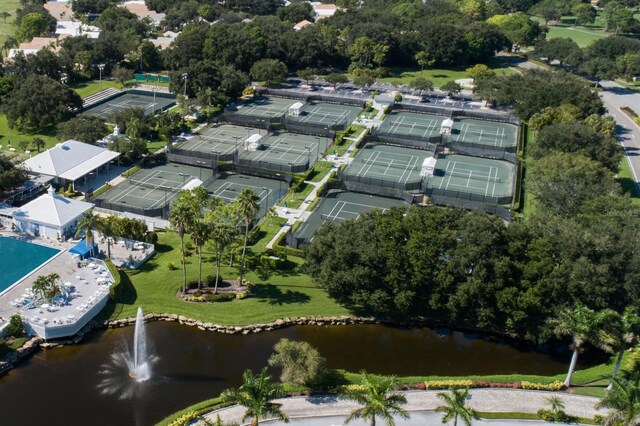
column 88, row 88
column 7, row 29
column 14, row 137
column 627, row 182
column 295, row 199
column 583, row 35
column 278, row 294
column 319, row 170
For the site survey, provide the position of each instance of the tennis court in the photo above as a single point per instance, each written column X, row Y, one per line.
column 222, row 139
column 151, row 190
column 227, row 188
column 489, row 133
column 287, row 149
column 326, row 114
column 473, row 175
column 132, row 99
column 266, row 107
column 412, row 124
column 390, row 165
column 340, row 206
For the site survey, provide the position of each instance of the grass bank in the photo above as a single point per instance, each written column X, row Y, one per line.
column 277, row 294
column 14, row 137
column 7, row 28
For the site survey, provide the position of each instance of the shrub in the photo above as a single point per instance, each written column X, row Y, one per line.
column 448, row 384
column 194, row 299
column 301, row 363
column 210, row 280
column 15, row 328
column 553, row 416
column 553, row 386
column 151, row 237
column 242, row 295
column 220, row 297
column 171, row 266
column 115, row 290
column 184, row 419
column 191, row 284
column 272, row 263
column 354, row 388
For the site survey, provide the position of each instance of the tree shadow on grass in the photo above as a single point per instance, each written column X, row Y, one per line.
column 127, row 295
column 274, row 295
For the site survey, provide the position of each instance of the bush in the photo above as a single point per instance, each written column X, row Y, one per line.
column 554, row 416
column 115, row 290
column 301, row 363
column 210, row 280
column 191, row 284
column 15, row 327
column 171, row 266
column 242, row 295
column 448, row 384
column 151, row 237
column 194, row 299
column 220, row 297
column 271, row 262
column 184, row 419
column 554, row 386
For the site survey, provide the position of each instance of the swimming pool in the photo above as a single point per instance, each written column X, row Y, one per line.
column 19, row 258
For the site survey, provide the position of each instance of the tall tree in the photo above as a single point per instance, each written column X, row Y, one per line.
column 378, row 399
column 182, row 217
column 622, row 402
column 256, row 394
column 86, row 225
column 584, row 325
column 200, row 234
column 455, row 406
column 628, row 335
column 248, row 204
column 39, row 143
column 222, row 219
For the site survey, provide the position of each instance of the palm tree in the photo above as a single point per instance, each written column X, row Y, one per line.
column 181, row 218
column 623, row 402
column 4, row 15
column 256, row 394
column 584, row 325
column 248, row 204
column 108, row 228
column 377, row 399
column 455, row 407
column 9, row 44
column 628, row 336
column 87, row 224
column 222, row 219
column 45, row 286
column 39, row 143
column 200, row 233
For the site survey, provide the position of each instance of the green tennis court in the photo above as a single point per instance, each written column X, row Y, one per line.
column 287, row 149
column 267, row 107
column 221, row 139
column 132, row 99
column 324, row 113
column 412, row 124
column 473, row 175
column 341, row 206
column 489, row 133
column 227, row 188
column 385, row 163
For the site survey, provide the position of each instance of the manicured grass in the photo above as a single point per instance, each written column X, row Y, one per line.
column 14, row 136
column 89, row 88
column 526, row 416
column 439, row 76
column 153, row 146
column 582, row 35
column 268, row 229
column 319, row 170
column 627, row 182
column 277, row 294
column 7, row 29
column 295, row 199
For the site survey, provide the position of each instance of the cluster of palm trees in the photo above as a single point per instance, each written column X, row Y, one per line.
column 375, row 395
column 109, row 226
column 212, row 220
column 46, row 286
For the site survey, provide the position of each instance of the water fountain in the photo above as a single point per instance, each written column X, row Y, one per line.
column 129, row 367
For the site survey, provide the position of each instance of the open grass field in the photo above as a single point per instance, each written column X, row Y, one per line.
column 583, row 35
column 278, row 294
column 88, row 88
column 7, row 29
column 14, row 137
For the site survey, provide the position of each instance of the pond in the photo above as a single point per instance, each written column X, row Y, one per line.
column 66, row 385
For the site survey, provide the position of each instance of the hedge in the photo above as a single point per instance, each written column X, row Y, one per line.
column 115, row 290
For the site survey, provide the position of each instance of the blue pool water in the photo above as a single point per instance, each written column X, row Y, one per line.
column 18, row 258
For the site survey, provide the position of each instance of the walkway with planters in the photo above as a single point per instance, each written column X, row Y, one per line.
column 485, row 400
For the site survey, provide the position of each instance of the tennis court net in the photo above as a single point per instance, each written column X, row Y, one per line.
column 404, row 125
column 473, row 174
column 391, row 163
column 159, row 187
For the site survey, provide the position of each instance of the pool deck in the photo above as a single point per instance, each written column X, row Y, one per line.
column 487, row 400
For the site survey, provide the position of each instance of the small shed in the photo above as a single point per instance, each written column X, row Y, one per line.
column 295, row 109
column 252, row 143
column 428, row 167
column 446, row 126
column 192, row 184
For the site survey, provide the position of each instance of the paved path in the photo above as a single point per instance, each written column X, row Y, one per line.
column 489, row 400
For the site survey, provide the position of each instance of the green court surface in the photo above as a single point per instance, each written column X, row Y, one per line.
column 227, row 188
column 150, row 103
column 267, row 107
column 472, row 175
column 287, row 149
column 387, row 164
column 152, row 188
column 221, row 139
column 340, row 206
column 324, row 113
column 412, row 124
column 489, row 133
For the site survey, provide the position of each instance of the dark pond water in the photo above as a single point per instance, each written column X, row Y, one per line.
column 63, row 386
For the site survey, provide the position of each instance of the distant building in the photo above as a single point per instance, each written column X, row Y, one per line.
column 50, row 216
column 72, row 161
column 60, row 10
column 165, row 41
column 33, row 46
column 300, row 25
column 140, row 9
column 323, row 10
column 76, row 28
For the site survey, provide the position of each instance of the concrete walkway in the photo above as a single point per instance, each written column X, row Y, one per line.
column 488, row 400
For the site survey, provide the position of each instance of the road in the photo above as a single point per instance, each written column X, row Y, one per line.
column 614, row 97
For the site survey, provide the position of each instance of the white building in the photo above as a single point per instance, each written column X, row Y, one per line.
column 140, row 9
column 71, row 161
column 76, row 28
column 33, row 46
column 50, row 216
column 323, row 10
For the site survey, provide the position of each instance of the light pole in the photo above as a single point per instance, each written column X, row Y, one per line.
column 201, row 164
column 184, row 177
column 279, row 184
column 236, row 139
column 266, row 205
column 101, row 68
column 318, row 147
column 184, row 77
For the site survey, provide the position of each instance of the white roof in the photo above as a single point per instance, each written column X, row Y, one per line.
column 297, row 105
column 447, row 122
column 429, row 162
column 75, row 28
column 193, row 184
column 50, row 209
column 254, row 138
column 70, row 160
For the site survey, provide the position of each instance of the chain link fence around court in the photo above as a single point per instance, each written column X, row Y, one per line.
column 251, row 120
column 336, row 100
column 162, row 212
column 377, row 184
column 276, row 167
column 490, row 207
column 315, row 129
column 424, row 143
column 481, row 150
column 452, row 112
column 189, row 158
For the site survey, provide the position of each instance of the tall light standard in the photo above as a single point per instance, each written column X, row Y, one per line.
column 318, row 148
column 236, row 139
column 184, row 177
column 101, row 68
column 184, row 77
column 266, row 205
column 308, row 148
column 279, row 184
column 201, row 164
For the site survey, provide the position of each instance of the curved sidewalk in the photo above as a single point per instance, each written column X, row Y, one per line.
column 488, row 400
